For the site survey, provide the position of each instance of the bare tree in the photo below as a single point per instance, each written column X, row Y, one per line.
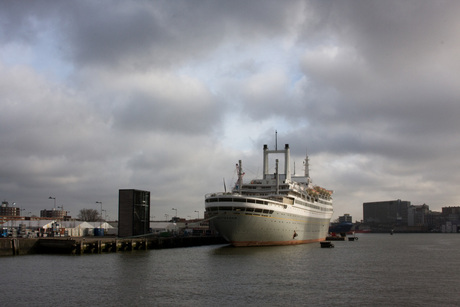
column 89, row 215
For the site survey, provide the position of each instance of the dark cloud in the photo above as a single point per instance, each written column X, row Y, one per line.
column 167, row 96
column 144, row 34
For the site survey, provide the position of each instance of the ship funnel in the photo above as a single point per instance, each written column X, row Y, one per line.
column 287, row 153
column 265, row 161
column 287, row 168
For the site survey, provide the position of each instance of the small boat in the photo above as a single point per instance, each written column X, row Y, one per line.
column 326, row 244
column 353, row 238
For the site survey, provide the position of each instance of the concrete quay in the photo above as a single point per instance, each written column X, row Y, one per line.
column 98, row 245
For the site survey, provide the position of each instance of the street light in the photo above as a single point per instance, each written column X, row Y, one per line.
column 198, row 214
column 100, row 202
column 176, row 211
column 51, row 197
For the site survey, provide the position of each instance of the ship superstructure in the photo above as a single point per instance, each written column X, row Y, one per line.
column 278, row 209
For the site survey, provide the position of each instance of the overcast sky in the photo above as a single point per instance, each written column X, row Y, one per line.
column 167, row 96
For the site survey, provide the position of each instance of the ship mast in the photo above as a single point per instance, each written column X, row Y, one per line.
column 240, row 175
column 307, row 169
column 277, row 177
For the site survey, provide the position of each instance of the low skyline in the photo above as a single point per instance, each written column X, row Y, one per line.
column 168, row 96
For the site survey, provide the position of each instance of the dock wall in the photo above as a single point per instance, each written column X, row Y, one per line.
column 18, row 246
column 92, row 245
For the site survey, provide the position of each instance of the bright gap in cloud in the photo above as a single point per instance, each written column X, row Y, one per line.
column 44, row 57
column 236, row 62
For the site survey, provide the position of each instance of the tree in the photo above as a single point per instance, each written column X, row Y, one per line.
column 89, row 215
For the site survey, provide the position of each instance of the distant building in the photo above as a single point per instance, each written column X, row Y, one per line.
column 450, row 219
column 345, row 218
column 451, row 210
column 54, row 214
column 133, row 212
column 401, row 216
column 418, row 215
column 6, row 210
column 392, row 212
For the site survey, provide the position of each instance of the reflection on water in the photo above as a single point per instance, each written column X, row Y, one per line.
column 376, row 270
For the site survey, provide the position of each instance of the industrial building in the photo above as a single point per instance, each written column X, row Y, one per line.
column 133, row 212
column 390, row 212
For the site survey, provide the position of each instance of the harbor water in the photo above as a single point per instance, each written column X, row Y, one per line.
column 376, row 270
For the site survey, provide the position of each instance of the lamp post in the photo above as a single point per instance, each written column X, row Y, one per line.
column 176, row 215
column 51, row 197
column 198, row 214
column 100, row 226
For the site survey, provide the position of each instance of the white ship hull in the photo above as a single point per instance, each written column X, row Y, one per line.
column 252, row 225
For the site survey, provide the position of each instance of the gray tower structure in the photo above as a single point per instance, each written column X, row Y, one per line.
column 133, row 212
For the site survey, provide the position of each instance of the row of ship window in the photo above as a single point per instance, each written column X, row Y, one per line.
column 315, row 207
column 241, row 200
column 261, row 202
column 240, row 209
column 251, row 187
column 282, row 188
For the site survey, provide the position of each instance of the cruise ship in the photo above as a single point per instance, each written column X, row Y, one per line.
column 278, row 209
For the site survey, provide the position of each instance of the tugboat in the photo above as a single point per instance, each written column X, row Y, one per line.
column 340, row 228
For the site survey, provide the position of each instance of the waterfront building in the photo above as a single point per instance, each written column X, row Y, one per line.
column 386, row 212
column 434, row 219
column 346, row 218
column 6, row 210
column 401, row 216
column 418, row 215
column 451, row 219
column 452, row 211
column 133, row 212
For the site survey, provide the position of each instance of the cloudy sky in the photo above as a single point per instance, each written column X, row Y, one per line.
column 167, row 96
